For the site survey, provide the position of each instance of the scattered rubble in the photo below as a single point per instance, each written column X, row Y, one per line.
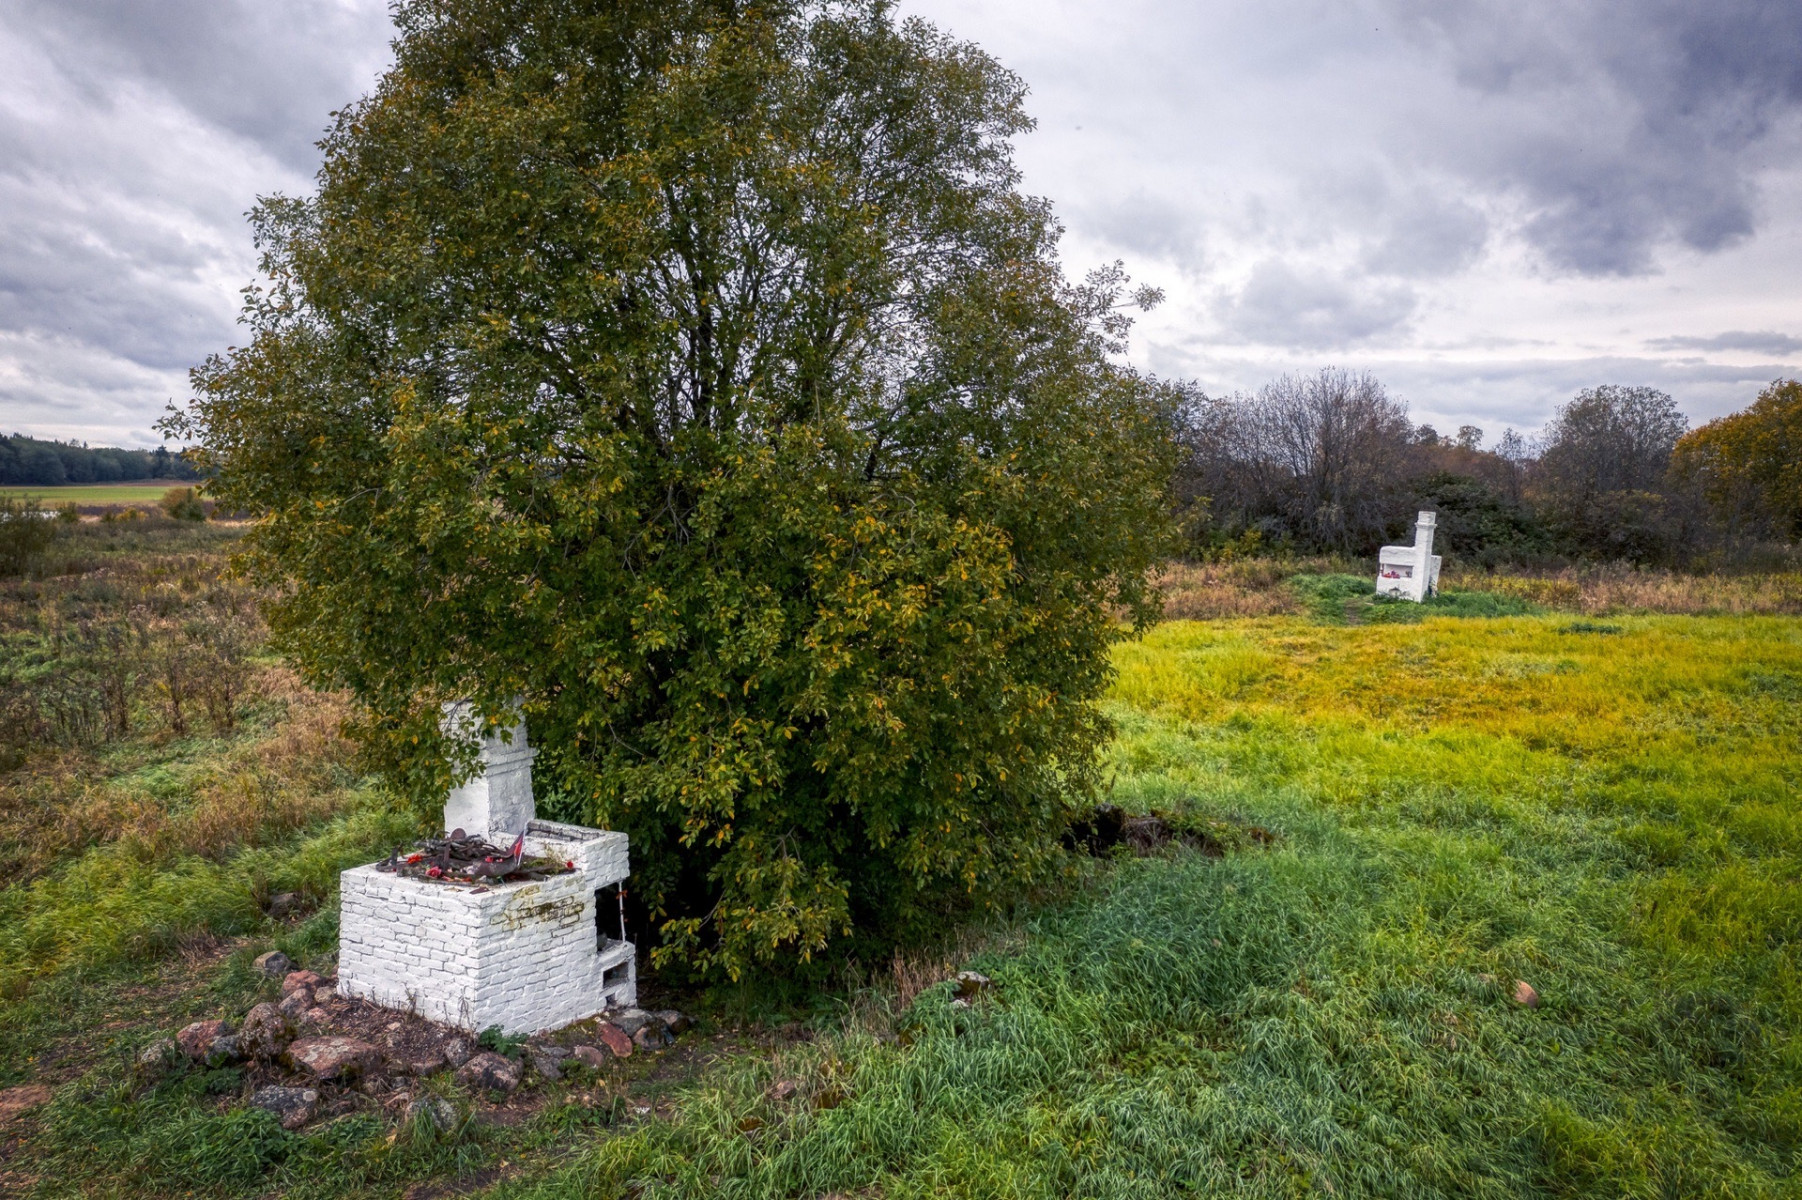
column 546, row 1063
column 440, row 1113
column 341, row 1058
column 158, row 1057
column 629, row 1021
column 196, row 1041
column 653, row 1035
column 292, row 1106
column 615, row 1038
column 489, row 1072
column 295, row 980
column 265, row 1033
column 673, row 1020
column 273, row 964
column 314, row 1055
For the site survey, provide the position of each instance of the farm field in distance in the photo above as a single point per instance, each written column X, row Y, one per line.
column 1393, row 826
column 136, row 492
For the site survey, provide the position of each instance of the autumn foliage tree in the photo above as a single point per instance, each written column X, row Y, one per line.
column 1749, row 465
column 698, row 373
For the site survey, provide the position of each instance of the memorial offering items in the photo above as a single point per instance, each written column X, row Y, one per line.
column 460, row 858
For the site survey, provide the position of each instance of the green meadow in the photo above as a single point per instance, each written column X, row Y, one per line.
column 1406, row 820
column 98, row 493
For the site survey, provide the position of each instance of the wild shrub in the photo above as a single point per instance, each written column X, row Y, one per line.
column 182, row 504
column 25, row 535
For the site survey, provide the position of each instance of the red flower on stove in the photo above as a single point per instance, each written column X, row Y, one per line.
column 413, row 858
column 434, row 872
column 571, row 865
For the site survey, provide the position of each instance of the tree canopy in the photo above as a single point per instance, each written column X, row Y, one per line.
column 1749, row 464
column 699, row 373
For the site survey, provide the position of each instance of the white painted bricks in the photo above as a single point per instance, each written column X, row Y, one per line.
column 497, row 799
column 527, row 956
column 1410, row 572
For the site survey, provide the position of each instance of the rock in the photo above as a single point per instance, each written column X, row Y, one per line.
column 157, row 1057
column 274, row 964
column 629, row 1021
column 1525, row 995
column 545, row 1064
column 426, row 1061
column 489, row 1072
column 783, row 1090
column 294, row 1005
column 456, row 1052
column 196, row 1041
column 334, row 1057
column 554, row 1050
column 266, row 1032
column 674, row 1021
column 436, row 1111
column 591, row 1057
column 224, row 1051
column 325, row 995
column 614, row 1038
column 283, row 903
column 317, row 1016
column 652, row 1035
column 300, row 979
column 971, row 984
column 292, row 1106
column 959, row 1002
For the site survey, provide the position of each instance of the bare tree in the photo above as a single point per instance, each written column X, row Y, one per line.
column 1318, row 457
column 1610, row 439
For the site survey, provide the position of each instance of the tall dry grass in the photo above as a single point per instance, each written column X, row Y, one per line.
column 1262, row 588
column 1621, row 589
column 1248, row 587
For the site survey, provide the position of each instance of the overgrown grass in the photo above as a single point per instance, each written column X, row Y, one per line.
column 1462, row 804
column 130, row 827
column 1606, row 810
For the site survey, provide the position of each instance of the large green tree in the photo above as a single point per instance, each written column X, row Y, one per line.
column 697, row 372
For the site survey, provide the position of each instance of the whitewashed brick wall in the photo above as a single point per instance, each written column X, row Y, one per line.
column 524, row 956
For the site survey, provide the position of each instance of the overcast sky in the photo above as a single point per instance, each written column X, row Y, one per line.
column 1490, row 205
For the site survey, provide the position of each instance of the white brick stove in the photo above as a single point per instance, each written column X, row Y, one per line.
column 527, row 956
column 1411, row 572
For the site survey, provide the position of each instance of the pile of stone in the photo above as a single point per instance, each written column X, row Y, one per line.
column 301, row 1066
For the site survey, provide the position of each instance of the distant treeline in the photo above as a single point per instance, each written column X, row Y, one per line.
column 31, row 462
column 1330, row 463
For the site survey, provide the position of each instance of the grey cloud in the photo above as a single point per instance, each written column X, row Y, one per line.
column 1281, row 306
column 1764, row 341
column 1621, row 126
column 1429, row 237
column 119, row 280
column 1151, row 225
column 269, row 72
